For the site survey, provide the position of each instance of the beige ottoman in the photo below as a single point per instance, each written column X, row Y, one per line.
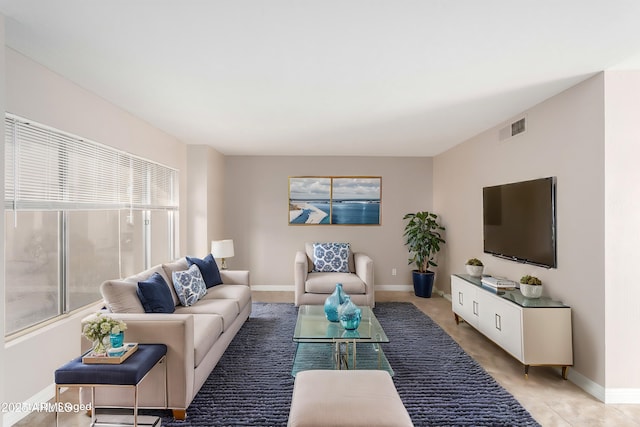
column 346, row 398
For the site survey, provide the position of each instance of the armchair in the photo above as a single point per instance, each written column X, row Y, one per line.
column 313, row 287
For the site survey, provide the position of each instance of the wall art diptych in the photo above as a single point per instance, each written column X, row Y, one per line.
column 335, row 200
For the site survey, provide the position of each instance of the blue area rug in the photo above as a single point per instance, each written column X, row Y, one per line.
column 438, row 382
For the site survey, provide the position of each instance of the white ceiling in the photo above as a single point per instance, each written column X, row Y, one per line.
column 326, row 77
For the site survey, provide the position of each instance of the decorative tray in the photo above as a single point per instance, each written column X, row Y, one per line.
column 130, row 348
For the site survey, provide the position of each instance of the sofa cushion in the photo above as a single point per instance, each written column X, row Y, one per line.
column 325, row 283
column 189, row 285
column 208, row 268
column 155, row 296
column 227, row 308
column 121, row 296
column 206, row 330
column 239, row 293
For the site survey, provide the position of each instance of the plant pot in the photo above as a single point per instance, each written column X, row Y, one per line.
column 531, row 291
column 474, row 270
column 423, row 283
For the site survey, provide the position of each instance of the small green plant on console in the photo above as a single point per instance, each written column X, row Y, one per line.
column 530, row 280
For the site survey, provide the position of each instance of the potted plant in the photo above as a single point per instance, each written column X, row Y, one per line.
column 530, row 286
column 423, row 238
column 474, row 267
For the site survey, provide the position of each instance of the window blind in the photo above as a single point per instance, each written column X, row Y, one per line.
column 50, row 169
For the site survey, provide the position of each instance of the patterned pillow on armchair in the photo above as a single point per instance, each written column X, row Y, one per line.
column 331, row 257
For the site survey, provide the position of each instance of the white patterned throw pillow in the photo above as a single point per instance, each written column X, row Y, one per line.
column 189, row 285
column 331, row 257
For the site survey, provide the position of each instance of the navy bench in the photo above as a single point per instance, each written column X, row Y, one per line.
column 127, row 374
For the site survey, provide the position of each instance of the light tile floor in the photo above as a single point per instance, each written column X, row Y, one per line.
column 551, row 400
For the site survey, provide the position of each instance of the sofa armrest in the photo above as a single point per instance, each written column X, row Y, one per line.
column 364, row 270
column 177, row 332
column 235, row 277
column 300, row 272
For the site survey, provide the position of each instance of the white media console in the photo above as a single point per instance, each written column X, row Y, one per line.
column 534, row 331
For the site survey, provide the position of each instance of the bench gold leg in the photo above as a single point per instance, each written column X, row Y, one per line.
column 179, row 414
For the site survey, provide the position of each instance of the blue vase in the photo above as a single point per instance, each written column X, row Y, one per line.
column 332, row 303
column 349, row 315
column 351, row 334
column 117, row 340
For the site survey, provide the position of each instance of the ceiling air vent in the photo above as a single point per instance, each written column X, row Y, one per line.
column 515, row 128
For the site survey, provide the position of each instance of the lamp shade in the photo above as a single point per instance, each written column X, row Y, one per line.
column 222, row 248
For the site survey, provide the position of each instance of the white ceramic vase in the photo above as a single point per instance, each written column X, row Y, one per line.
column 531, row 291
column 474, row 270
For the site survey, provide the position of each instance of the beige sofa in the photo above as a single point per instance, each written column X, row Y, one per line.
column 314, row 287
column 196, row 336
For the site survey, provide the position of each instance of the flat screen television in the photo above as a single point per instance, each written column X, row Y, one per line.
column 520, row 221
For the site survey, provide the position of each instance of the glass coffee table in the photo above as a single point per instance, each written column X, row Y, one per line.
column 327, row 345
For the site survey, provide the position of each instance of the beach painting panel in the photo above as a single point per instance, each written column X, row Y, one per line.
column 310, row 200
column 356, row 200
column 335, row 200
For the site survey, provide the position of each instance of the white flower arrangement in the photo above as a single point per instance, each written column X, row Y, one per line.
column 102, row 326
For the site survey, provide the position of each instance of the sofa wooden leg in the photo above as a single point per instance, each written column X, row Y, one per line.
column 179, row 414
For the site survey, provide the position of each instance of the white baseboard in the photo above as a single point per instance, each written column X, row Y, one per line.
column 591, row 387
column 395, row 288
column 622, row 396
column 289, row 288
column 272, row 288
column 43, row 396
column 603, row 394
column 442, row 294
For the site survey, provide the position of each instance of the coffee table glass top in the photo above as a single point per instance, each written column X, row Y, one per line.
column 322, row 344
column 313, row 327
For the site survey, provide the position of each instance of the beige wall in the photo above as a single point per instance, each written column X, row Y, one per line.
column 204, row 193
column 256, row 211
column 2, row 108
column 565, row 138
column 622, row 229
column 41, row 95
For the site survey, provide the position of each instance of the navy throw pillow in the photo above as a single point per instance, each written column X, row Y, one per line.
column 208, row 269
column 155, row 295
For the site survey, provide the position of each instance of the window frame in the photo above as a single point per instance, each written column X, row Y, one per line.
column 82, row 175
